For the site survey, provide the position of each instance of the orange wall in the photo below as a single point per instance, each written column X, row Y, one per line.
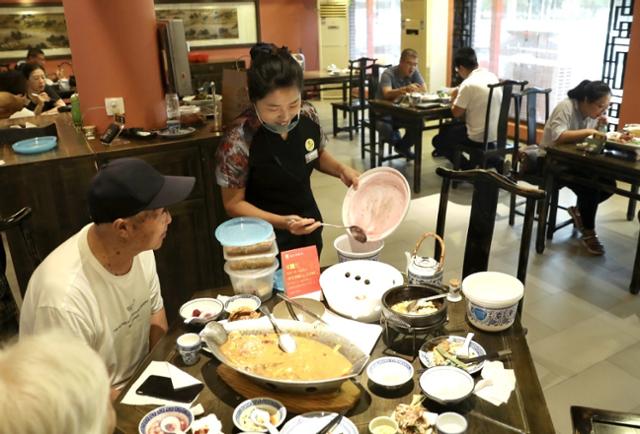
column 630, row 110
column 293, row 23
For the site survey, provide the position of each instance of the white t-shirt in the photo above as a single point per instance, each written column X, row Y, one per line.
column 73, row 291
column 473, row 95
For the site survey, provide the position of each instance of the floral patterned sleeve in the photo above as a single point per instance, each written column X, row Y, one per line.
column 308, row 110
column 232, row 155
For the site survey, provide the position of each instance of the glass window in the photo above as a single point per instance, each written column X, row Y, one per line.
column 549, row 43
column 382, row 45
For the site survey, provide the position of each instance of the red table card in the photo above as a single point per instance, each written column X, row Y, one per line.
column 301, row 271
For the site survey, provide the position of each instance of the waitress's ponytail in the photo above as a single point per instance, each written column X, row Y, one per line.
column 589, row 91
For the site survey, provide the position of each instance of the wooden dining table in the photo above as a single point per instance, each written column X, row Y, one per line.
column 408, row 117
column 589, row 170
column 325, row 80
column 525, row 411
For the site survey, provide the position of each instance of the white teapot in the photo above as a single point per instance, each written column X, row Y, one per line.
column 422, row 270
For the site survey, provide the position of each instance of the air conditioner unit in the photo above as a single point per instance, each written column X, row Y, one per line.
column 334, row 37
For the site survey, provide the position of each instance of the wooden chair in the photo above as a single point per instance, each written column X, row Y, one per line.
column 486, row 186
column 356, row 97
column 372, row 146
column 587, row 420
column 8, row 308
column 500, row 147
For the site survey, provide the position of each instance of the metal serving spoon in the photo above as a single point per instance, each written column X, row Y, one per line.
column 412, row 306
column 285, row 340
column 356, row 232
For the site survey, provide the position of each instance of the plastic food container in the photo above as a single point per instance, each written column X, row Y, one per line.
column 257, row 282
column 245, row 236
column 492, row 299
column 349, row 249
column 252, row 262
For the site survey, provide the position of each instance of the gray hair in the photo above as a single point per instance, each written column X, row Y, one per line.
column 53, row 383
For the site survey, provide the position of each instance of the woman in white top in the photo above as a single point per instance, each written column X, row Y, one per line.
column 574, row 119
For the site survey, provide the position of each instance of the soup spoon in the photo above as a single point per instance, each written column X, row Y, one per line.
column 356, row 232
column 285, row 340
column 262, row 418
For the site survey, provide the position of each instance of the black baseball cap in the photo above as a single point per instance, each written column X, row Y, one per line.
column 126, row 186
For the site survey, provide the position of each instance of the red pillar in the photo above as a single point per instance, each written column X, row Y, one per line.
column 496, row 25
column 115, row 54
column 630, row 109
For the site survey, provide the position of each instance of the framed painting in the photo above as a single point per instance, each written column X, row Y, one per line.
column 39, row 26
column 214, row 24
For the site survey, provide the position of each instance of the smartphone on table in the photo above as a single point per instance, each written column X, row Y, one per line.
column 161, row 387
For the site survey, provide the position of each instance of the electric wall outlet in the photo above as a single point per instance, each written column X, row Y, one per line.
column 114, row 106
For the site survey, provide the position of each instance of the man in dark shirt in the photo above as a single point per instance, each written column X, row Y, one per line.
column 395, row 82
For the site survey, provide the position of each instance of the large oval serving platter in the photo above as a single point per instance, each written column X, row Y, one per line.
column 296, row 328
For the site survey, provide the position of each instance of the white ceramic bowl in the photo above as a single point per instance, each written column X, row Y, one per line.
column 151, row 421
column 257, row 282
column 349, row 249
column 390, row 372
column 354, row 289
column 242, row 413
column 451, row 423
column 446, row 384
column 209, row 308
column 492, row 299
column 242, row 301
column 382, row 424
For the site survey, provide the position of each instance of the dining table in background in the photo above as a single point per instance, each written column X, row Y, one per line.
column 525, row 411
column 325, row 80
column 559, row 158
column 407, row 117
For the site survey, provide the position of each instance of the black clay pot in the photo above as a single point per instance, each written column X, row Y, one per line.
column 402, row 293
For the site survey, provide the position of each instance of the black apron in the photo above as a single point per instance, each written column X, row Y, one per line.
column 279, row 178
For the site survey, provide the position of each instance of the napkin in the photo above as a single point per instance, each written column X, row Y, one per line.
column 363, row 335
column 179, row 379
column 497, row 383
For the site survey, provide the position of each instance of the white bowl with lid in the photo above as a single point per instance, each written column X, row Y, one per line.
column 492, row 299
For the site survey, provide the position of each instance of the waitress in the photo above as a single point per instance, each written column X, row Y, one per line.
column 268, row 153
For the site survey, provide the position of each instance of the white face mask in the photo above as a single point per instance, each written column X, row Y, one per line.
column 277, row 128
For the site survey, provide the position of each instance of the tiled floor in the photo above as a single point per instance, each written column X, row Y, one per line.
column 584, row 325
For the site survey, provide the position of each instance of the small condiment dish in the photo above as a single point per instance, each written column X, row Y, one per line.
column 242, row 301
column 242, row 414
column 152, row 421
column 390, row 372
column 451, row 423
column 446, row 384
column 201, row 310
column 383, row 425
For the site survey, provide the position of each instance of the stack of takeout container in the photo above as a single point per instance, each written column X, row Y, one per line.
column 250, row 250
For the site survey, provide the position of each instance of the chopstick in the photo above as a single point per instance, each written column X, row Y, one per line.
column 302, row 308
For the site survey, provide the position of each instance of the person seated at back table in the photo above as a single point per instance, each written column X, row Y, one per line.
column 470, row 110
column 101, row 284
column 12, row 93
column 395, row 82
column 40, row 93
column 54, row 383
column 573, row 120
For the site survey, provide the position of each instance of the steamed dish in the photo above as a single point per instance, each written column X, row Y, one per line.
column 260, row 355
column 420, row 308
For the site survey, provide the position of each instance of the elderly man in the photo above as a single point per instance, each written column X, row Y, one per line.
column 53, row 382
column 395, row 82
column 470, row 108
column 101, row 284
